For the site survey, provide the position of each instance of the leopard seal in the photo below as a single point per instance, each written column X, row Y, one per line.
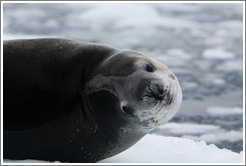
column 71, row 101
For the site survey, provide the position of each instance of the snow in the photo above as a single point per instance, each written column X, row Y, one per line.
column 159, row 149
column 224, row 111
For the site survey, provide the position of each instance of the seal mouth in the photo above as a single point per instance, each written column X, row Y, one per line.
column 159, row 98
column 158, row 94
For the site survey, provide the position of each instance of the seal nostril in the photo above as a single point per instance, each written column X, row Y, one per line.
column 153, row 88
column 160, row 89
column 156, row 89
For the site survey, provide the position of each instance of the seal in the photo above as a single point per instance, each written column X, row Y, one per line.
column 70, row 101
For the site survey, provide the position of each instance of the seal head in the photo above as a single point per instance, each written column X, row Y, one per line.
column 147, row 90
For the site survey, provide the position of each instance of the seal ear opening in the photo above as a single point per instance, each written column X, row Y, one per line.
column 127, row 110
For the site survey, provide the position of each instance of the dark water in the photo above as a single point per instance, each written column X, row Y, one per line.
column 201, row 43
column 236, row 146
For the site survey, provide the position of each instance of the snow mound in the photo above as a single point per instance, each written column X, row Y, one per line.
column 159, row 149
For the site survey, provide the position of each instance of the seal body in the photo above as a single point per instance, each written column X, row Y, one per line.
column 80, row 102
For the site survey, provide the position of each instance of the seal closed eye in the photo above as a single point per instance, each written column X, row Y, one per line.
column 70, row 101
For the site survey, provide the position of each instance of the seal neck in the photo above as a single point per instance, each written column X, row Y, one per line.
column 105, row 120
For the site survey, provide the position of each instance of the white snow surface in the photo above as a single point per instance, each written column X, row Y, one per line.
column 158, row 149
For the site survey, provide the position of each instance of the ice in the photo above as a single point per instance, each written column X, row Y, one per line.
column 129, row 16
column 212, row 134
column 122, row 14
column 189, row 85
column 229, row 66
column 158, row 149
column 218, row 53
column 186, row 128
column 231, row 24
column 210, row 79
column 24, row 36
column 218, row 136
column 174, row 53
column 224, row 111
column 178, row 53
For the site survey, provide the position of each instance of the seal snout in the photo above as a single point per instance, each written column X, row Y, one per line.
column 157, row 91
